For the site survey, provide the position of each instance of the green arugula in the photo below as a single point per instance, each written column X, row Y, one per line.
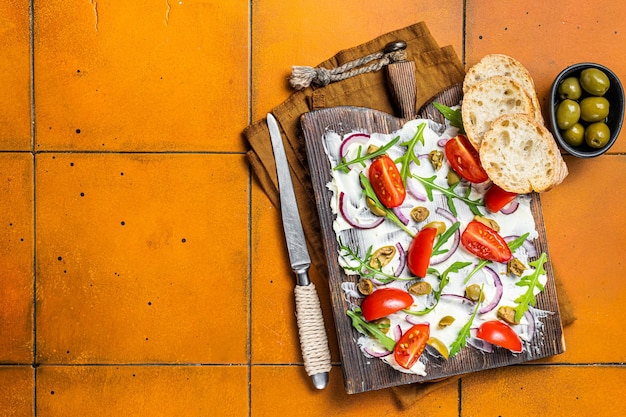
column 443, row 281
column 410, row 156
column 430, row 185
column 454, row 116
column 369, row 329
column 360, row 159
column 443, row 238
column 513, row 246
column 364, row 269
column 461, row 339
column 368, row 192
column 531, row 281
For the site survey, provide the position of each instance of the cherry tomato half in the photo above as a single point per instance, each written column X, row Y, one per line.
column 385, row 301
column 501, row 334
column 420, row 251
column 484, row 242
column 496, row 198
column 464, row 159
column 386, row 181
column 411, row 345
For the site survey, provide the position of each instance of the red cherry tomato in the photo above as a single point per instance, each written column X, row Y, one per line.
column 411, row 345
column 496, row 198
column 386, row 181
column 464, row 159
column 420, row 251
column 501, row 334
column 384, row 302
column 484, row 242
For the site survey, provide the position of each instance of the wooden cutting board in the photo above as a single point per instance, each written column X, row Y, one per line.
column 364, row 374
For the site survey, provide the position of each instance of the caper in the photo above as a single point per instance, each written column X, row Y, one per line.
column 488, row 222
column 594, row 109
column 575, row 135
column 439, row 226
column 382, row 256
column 365, row 286
column 597, row 134
column 445, row 322
column 474, row 292
column 567, row 114
column 507, row 314
column 594, row 81
column 569, row 88
column 377, row 211
column 419, row 213
column 421, row 288
column 436, row 159
column 453, row 177
column 383, row 324
column 439, row 346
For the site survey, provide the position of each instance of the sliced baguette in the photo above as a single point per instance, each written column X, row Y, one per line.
column 503, row 65
column 521, row 156
column 489, row 99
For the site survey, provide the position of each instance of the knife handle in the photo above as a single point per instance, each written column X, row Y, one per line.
column 312, row 331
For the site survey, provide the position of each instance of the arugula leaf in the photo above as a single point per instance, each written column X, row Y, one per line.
column 410, row 156
column 430, row 185
column 531, row 281
column 513, row 246
column 454, row 116
column 360, row 159
column 461, row 339
column 368, row 192
column 370, row 329
column 443, row 281
column 444, row 238
column 364, row 269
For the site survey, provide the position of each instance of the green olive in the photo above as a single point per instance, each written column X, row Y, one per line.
column 594, row 81
column 474, row 292
column 569, row 88
column 420, row 288
column 437, row 225
column 567, row 114
column 594, row 109
column 597, row 134
column 439, row 346
column 575, row 135
column 445, row 322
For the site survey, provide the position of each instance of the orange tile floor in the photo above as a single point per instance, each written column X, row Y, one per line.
column 142, row 267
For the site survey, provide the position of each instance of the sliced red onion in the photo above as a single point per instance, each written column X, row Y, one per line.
column 442, row 142
column 416, row 189
column 397, row 333
column 360, row 138
column 401, row 260
column 456, row 238
column 352, row 222
column 531, row 324
column 457, row 297
column 498, row 295
column 411, row 319
column 376, row 354
column 510, row 208
column 528, row 245
column 400, row 215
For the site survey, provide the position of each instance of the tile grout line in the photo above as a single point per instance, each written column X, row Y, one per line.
column 250, row 262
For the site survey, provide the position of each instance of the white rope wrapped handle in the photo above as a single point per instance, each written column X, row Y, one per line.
column 313, row 339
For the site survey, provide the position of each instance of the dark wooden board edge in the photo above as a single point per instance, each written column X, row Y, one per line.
column 360, row 373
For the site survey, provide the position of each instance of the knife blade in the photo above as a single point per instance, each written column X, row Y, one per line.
column 311, row 329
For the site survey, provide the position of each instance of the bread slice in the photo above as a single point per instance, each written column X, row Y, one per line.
column 503, row 65
column 489, row 99
column 521, row 156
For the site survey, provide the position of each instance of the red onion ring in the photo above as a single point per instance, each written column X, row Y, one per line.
column 498, row 295
column 457, row 297
column 415, row 190
column 510, row 208
column 344, row 212
column 375, row 354
column 442, row 142
column 397, row 333
column 400, row 215
column 456, row 237
column 401, row 260
column 361, row 138
column 531, row 250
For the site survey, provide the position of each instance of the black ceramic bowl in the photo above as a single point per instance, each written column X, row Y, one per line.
column 615, row 96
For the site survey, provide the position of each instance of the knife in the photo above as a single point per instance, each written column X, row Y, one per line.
column 311, row 329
